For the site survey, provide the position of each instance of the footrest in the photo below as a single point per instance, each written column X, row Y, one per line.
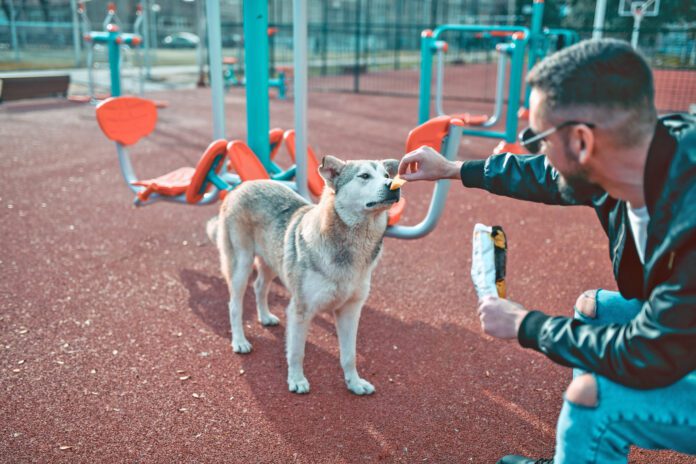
column 472, row 119
column 171, row 184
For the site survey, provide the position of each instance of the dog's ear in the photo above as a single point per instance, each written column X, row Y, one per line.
column 392, row 166
column 330, row 168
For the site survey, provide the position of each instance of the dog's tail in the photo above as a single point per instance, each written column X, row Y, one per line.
column 212, row 228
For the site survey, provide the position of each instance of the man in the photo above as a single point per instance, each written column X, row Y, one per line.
column 592, row 113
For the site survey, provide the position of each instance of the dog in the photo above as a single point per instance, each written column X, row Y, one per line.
column 323, row 253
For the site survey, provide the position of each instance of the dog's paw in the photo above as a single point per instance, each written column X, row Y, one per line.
column 242, row 346
column 270, row 319
column 298, row 385
column 360, row 386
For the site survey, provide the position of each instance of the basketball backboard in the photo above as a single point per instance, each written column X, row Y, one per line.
column 641, row 7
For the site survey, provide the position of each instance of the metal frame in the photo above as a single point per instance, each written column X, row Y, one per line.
column 516, row 48
column 499, row 86
column 437, row 201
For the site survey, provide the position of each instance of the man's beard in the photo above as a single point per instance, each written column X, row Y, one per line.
column 576, row 188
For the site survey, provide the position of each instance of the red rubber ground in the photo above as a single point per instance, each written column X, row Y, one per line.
column 114, row 329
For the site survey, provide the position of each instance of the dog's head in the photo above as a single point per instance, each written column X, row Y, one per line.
column 361, row 186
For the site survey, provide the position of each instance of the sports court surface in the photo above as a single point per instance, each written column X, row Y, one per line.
column 113, row 319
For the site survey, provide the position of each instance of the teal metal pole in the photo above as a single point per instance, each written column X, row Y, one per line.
column 516, row 66
column 256, row 69
column 427, row 43
column 535, row 42
column 114, row 58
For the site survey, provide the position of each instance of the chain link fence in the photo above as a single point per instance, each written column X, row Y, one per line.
column 363, row 46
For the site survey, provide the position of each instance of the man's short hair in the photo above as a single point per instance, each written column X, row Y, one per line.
column 605, row 74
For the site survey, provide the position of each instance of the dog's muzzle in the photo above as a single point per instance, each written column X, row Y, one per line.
column 390, row 197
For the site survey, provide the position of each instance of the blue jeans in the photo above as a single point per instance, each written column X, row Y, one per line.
column 662, row 418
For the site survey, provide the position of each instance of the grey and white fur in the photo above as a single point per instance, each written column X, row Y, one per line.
column 324, row 254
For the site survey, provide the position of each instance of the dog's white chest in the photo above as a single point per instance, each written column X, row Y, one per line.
column 324, row 294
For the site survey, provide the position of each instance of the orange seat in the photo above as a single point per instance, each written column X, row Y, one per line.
column 395, row 211
column 314, row 180
column 229, row 60
column 192, row 182
column 245, row 162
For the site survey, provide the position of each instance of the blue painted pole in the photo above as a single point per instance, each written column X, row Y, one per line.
column 535, row 42
column 114, row 59
column 427, row 42
column 519, row 44
column 256, row 69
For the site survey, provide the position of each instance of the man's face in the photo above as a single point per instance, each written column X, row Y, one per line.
column 574, row 179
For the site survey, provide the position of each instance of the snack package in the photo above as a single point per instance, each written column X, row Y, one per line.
column 488, row 261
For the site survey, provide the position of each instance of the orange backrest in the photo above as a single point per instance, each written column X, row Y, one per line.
column 126, row 119
column 429, row 133
column 245, row 162
column 314, row 179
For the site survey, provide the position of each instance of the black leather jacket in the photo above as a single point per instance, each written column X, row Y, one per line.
column 658, row 347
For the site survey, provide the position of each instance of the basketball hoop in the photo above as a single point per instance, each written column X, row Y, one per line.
column 638, row 10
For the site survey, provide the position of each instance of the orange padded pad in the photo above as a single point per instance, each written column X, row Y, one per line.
column 395, row 211
column 199, row 183
column 429, row 133
column 314, row 180
column 171, row 184
column 472, row 119
column 229, row 60
column 245, row 162
column 126, row 119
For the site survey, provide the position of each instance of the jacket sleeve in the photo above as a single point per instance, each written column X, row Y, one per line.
column 529, row 178
column 657, row 348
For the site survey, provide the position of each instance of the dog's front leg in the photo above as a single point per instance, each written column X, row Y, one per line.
column 298, row 327
column 347, row 319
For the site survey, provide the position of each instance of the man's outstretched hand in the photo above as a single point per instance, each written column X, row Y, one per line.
column 500, row 318
column 425, row 163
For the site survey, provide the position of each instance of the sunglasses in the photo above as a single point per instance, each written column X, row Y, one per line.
column 532, row 141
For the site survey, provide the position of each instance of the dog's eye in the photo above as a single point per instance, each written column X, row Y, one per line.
column 386, row 176
column 364, row 176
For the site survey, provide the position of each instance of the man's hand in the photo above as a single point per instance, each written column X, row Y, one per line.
column 424, row 163
column 500, row 318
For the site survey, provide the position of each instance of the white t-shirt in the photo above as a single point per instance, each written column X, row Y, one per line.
column 639, row 218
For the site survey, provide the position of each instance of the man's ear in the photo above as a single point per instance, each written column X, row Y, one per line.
column 331, row 168
column 585, row 141
column 392, row 166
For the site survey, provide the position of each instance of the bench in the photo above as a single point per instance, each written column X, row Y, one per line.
column 21, row 87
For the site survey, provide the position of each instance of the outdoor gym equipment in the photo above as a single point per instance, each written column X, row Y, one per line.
column 125, row 120
column 513, row 50
column 231, row 79
column 114, row 40
column 535, row 41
